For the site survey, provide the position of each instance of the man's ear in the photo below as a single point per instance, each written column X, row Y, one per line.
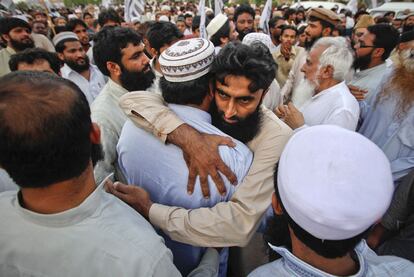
column 277, row 208
column 114, row 69
column 326, row 32
column 327, row 72
column 95, row 134
column 61, row 56
column 224, row 40
column 5, row 37
column 153, row 52
column 378, row 52
column 211, row 89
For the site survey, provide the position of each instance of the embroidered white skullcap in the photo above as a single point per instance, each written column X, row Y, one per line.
column 215, row 24
column 263, row 38
column 334, row 183
column 164, row 18
column 187, row 60
column 64, row 35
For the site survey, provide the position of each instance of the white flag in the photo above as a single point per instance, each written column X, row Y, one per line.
column 352, row 6
column 218, row 6
column 134, row 9
column 6, row 3
column 265, row 17
column 374, row 3
column 106, row 3
column 202, row 14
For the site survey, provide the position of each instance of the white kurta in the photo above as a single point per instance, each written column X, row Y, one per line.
column 101, row 237
column 335, row 105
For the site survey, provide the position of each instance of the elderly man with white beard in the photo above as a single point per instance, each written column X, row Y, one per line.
column 331, row 102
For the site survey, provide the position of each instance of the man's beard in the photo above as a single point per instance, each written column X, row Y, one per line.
column 363, row 62
column 78, row 67
column 309, row 44
column 407, row 28
column 137, row 80
column 97, row 153
column 304, row 91
column 242, row 34
column 20, row 46
column 244, row 130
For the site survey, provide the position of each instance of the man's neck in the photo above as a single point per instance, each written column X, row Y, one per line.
column 326, row 84
column 343, row 266
column 375, row 63
column 86, row 74
column 61, row 196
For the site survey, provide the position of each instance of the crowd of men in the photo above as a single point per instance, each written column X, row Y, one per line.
column 143, row 149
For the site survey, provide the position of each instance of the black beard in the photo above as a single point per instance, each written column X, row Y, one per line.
column 363, row 62
column 242, row 34
column 136, row 80
column 20, row 46
column 78, row 67
column 277, row 233
column 244, row 130
column 309, row 44
column 97, row 153
column 407, row 28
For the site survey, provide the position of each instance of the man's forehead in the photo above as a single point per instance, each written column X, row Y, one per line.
column 132, row 48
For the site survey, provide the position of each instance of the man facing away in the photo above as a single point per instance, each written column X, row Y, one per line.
column 77, row 67
column 119, row 54
column 160, row 168
column 323, row 213
column 60, row 222
column 35, row 59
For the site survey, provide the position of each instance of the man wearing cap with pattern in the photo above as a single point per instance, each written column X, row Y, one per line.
column 188, row 95
column 323, row 213
column 243, row 73
column 321, row 23
column 221, row 31
column 16, row 32
column 77, row 67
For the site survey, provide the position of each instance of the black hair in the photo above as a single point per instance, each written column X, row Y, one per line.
column 71, row 25
column 45, row 128
column 288, row 27
column 161, row 33
column 243, row 9
column 253, row 62
column 32, row 55
column 109, row 43
column 325, row 24
column 386, row 36
column 330, row 249
column 86, row 14
column 223, row 32
column 187, row 15
column 9, row 23
column 196, row 22
column 108, row 15
column 301, row 30
column 289, row 12
column 389, row 13
column 60, row 47
column 274, row 20
column 184, row 93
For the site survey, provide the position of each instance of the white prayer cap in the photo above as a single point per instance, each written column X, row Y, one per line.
column 72, row 16
column 165, row 8
column 22, row 17
column 187, row 60
column 215, row 24
column 164, row 18
column 334, row 183
column 263, row 38
column 64, row 35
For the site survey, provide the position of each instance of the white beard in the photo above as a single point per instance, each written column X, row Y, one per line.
column 407, row 59
column 303, row 92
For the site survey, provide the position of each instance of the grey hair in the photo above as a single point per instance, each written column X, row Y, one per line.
column 337, row 54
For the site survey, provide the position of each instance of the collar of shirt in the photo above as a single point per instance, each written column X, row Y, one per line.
column 373, row 70
column 66, row 71
column 188, row 113
column 115, row 88
column 152, row 65
column 339, row 86
column 10, row 50
column 66, row 218
column 303, row 269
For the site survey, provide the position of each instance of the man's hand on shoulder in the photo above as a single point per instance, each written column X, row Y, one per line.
column 134, row 196
column 202, row 158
